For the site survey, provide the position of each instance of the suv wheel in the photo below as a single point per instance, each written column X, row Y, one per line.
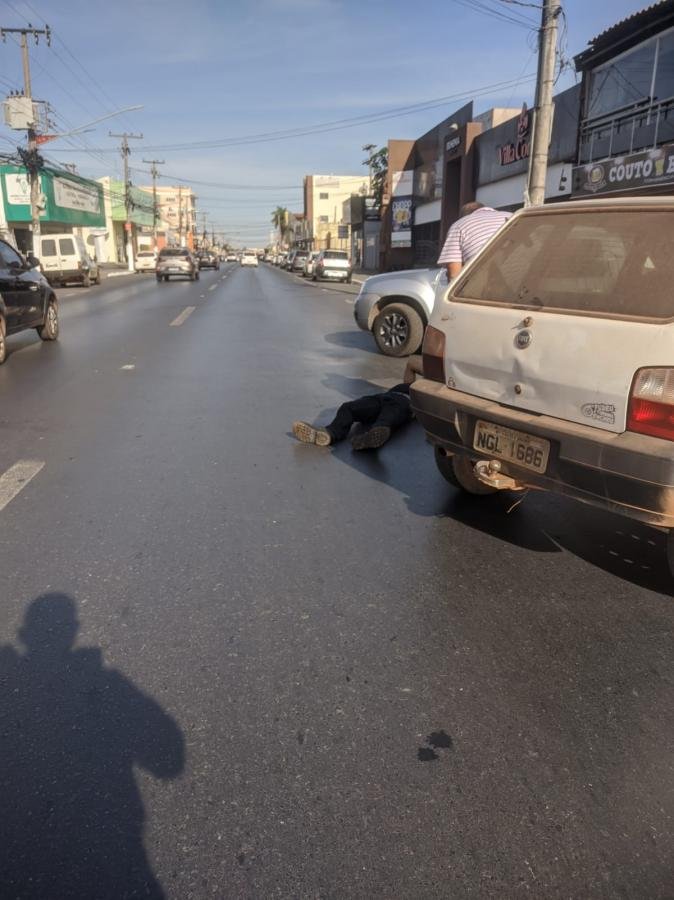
column 49, row 330
column 398, row 330
column 3, row 342
column 458, row 471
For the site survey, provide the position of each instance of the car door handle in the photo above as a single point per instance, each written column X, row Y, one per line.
column 33, row 287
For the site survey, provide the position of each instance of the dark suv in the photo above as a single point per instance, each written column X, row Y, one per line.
column 208, row 260
column 26, row 298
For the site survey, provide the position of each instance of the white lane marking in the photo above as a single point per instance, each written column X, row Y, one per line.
column 201, row 296
column 212, row 287
column 16, row 478
column 185, row 314
column 128, row 367
column 346, row 300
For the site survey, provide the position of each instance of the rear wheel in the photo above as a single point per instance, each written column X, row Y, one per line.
column 86, row 281
column 670, row 552
column 458, row 471
column 49, row 330
column 3, row 342
column 398, row 330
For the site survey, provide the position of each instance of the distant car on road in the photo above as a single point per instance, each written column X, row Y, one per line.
column 297, row 262
column 309, row 262
column 146, row 261
column 231, row 257
column 396, row 308
column 174, row 261
column 208, row 260
column 333, row 265
column 248, row 259
column 26, row 298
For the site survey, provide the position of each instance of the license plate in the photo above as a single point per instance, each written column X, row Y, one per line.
column 174, row 269
column 525, row 450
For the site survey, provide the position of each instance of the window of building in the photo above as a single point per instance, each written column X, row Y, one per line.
column 622, row 82
column 664, row 72
column 323, row 196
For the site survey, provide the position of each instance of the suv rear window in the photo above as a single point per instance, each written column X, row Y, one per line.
column 66, row 246
column 612, row 262
column 173, row 251
column 335, row 254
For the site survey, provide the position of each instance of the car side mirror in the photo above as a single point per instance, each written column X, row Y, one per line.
column 33, row 261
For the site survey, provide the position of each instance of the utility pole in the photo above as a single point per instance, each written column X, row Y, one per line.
column 127, row 193
column 543, row 110
column 32, row 159
column 155, row 209
column 203, row 228
column 180, row 215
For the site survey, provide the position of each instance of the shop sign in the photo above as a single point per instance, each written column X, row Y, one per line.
column 402, row 183
column 401, row 222
column 519, row 149
column 623, row 173
column 73, row 195
column 453, row 144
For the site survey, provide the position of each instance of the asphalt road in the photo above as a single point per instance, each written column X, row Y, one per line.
column 237, row 666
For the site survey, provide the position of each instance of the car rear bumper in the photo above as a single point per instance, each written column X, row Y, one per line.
column 626, row 473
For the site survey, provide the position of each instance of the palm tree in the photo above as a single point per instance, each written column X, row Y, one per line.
column 279, row 220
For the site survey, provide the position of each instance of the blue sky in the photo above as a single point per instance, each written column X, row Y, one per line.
column 209, row 71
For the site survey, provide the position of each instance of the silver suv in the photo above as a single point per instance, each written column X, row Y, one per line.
column 396, row 308
column 176, row 261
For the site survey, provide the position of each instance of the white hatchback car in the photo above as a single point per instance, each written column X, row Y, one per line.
column 248, row 259
column 549, row 361
column 146, row 261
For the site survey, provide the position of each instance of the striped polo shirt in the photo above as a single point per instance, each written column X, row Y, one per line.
column 468, row 235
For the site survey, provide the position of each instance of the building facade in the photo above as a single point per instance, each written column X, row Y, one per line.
column 70, row 204
column 626, row 134
column 324, row 197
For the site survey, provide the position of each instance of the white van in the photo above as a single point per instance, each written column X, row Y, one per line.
column 549, row 361
column 64, row 257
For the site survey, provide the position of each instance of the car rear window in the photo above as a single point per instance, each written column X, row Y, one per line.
column 48, row 247
column 173, row 251
column 145, row 254
column 66, row 246
column 301, row 254
column 335, row 254
column 611, row 262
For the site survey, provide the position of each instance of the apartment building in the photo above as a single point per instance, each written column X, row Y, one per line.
column 324, row 197
column 176, row 214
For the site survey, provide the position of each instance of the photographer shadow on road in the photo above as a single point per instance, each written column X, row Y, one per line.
column 71, row 732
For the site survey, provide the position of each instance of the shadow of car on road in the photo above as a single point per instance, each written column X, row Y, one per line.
column 354, row 340
column 73, row 730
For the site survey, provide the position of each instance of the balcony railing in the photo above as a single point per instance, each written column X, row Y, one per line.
column 627, row 131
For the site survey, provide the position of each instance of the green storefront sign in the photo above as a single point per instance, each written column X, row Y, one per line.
column 140, row 204
column 69, row 200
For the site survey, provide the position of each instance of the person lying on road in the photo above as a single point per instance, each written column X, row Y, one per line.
column 382, row 413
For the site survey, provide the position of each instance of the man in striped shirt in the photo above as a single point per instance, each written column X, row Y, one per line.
column 468, row 235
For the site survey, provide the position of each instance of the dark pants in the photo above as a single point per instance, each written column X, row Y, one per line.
column 391, row 410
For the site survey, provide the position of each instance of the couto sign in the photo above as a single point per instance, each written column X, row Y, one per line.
column 623, row 173
column 519, row 148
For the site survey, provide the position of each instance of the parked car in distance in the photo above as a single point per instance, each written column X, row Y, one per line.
column 209, row 260
column 548, row 361
column 174, row 261
column 145, row 261
column 297, row 264
column 248, row 259
column 27, row 300
column 308, row 268
column 288, row 261
column 396, row 308
column 64, row 258
column 332, row 264
column 231, row 257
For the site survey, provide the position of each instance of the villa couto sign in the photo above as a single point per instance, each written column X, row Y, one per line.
column 518, row 149
column 623, row 173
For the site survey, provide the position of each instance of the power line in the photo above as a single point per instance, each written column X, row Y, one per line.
column 336, row 125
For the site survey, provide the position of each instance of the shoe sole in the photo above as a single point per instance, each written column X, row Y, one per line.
column 310, row 435
column 372, row 439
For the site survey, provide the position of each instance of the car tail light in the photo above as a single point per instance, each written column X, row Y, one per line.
column 433, row 352
column 651, row 409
